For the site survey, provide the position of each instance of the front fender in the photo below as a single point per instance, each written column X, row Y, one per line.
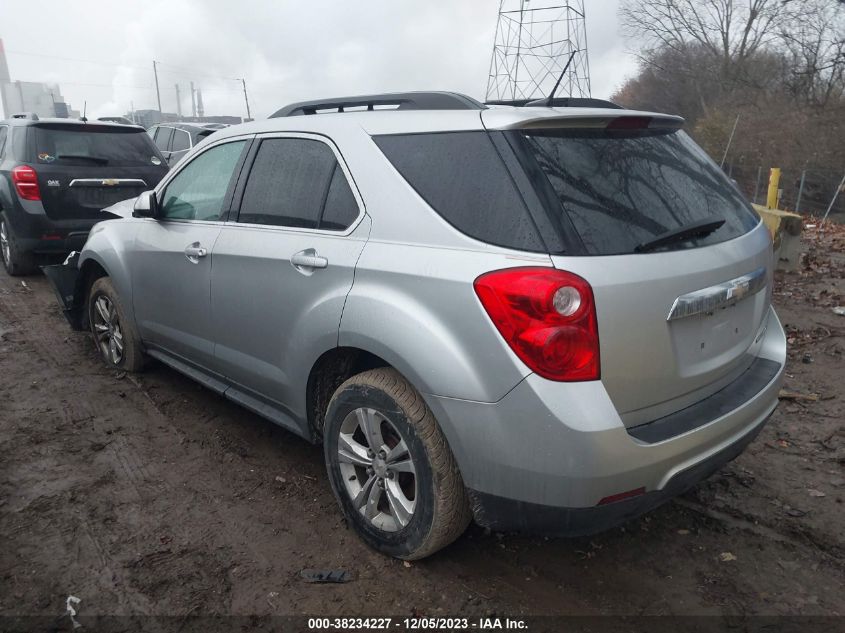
column 107, row 249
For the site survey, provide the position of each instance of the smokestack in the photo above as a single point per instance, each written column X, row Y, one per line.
column 193, row 100
column 178, row 102
column 4, row 67
column 200, row 109
column 5, row 78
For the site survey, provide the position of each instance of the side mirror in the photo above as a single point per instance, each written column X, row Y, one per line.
column 146, row 206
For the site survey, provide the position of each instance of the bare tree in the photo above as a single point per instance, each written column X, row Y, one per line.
column 814, row 43
column 730, row 31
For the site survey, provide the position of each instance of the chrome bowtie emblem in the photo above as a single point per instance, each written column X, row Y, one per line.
column 708, row 300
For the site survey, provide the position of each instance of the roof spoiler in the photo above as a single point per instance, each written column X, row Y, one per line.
column 395, row 101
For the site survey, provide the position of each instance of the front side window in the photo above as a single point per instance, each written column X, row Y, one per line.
column 199, row 191
column 291, row 181
column 622, row 189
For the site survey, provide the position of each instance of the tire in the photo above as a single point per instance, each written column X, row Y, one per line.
column 423, row 505
column 110, row 328
column 16, row 261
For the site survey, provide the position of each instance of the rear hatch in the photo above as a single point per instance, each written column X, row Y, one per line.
column 84, row 168
column 678, row 317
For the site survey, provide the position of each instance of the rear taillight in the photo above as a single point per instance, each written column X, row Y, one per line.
column 26, row 182
column 548, row 317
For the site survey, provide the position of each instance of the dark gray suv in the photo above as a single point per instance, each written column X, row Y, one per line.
column 56, row 176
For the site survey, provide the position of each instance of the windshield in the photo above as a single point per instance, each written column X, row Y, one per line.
column 623, row 189
column 89, row 145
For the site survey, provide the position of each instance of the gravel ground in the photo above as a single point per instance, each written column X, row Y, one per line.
column 147, row 494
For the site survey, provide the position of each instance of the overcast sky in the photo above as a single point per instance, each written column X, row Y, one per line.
column 287, row 51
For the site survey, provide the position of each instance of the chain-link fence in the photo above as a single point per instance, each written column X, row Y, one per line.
column 807, row 191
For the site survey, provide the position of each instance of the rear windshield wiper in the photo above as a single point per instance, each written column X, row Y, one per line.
column 682, row 234
column 97, row 159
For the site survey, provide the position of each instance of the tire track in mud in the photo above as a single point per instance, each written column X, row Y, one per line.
column 147, row 494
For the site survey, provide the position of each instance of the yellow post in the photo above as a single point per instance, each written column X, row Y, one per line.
column 774, row 182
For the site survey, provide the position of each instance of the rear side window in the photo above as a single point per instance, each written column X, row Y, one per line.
column 92, row 145
column 163, row 135
column 181, row 141
column 621, row 189
column 341, row 207
column 288, row 183
column 460, row 175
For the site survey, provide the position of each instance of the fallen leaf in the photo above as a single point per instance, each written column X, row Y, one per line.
column 726, row 556
column 407, row 563
column 815, row 493
column 683, row 532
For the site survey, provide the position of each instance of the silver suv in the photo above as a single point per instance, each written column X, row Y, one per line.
column 543, row 317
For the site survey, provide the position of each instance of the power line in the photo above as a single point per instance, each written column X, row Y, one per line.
column 177, row 69
column 74, row 59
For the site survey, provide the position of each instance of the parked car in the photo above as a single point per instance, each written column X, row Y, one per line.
column 116, row 119
column 56, row 175
column 176, row 139
column 548, row 319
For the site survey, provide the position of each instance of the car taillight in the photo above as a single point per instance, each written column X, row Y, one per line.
column 548, row 317
column 26, row 182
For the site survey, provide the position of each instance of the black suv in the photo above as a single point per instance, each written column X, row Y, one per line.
column 176, row 139
column 57, row 174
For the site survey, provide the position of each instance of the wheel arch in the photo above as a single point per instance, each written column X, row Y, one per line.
column 328, row 372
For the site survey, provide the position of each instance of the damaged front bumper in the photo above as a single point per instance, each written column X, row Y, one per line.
column 65, row 279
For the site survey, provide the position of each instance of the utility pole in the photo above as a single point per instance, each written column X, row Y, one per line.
column 178, row 102
column 158, row 93
column 246, row 99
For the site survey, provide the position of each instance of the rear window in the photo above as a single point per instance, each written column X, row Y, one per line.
column 621, row 189
column 88, row 145
column 460, row 175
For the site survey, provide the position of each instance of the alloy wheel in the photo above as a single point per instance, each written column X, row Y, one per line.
column 377, row 469
column 107, row 332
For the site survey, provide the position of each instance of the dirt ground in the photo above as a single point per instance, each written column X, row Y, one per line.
column 149, row 494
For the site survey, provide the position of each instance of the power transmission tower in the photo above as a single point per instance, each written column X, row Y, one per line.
column 534, row 41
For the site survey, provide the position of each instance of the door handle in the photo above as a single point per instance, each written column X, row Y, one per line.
column 307, row 261
column 194, row 251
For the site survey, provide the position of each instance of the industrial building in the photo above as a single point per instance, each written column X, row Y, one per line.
column 43, row 99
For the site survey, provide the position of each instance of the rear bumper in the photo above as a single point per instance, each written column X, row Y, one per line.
column 506, row 515
column 36, row 232
column 542, row 458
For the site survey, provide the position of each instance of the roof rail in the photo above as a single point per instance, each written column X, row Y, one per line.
column 399, row 100
column 25, row 115
column 560, row 102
